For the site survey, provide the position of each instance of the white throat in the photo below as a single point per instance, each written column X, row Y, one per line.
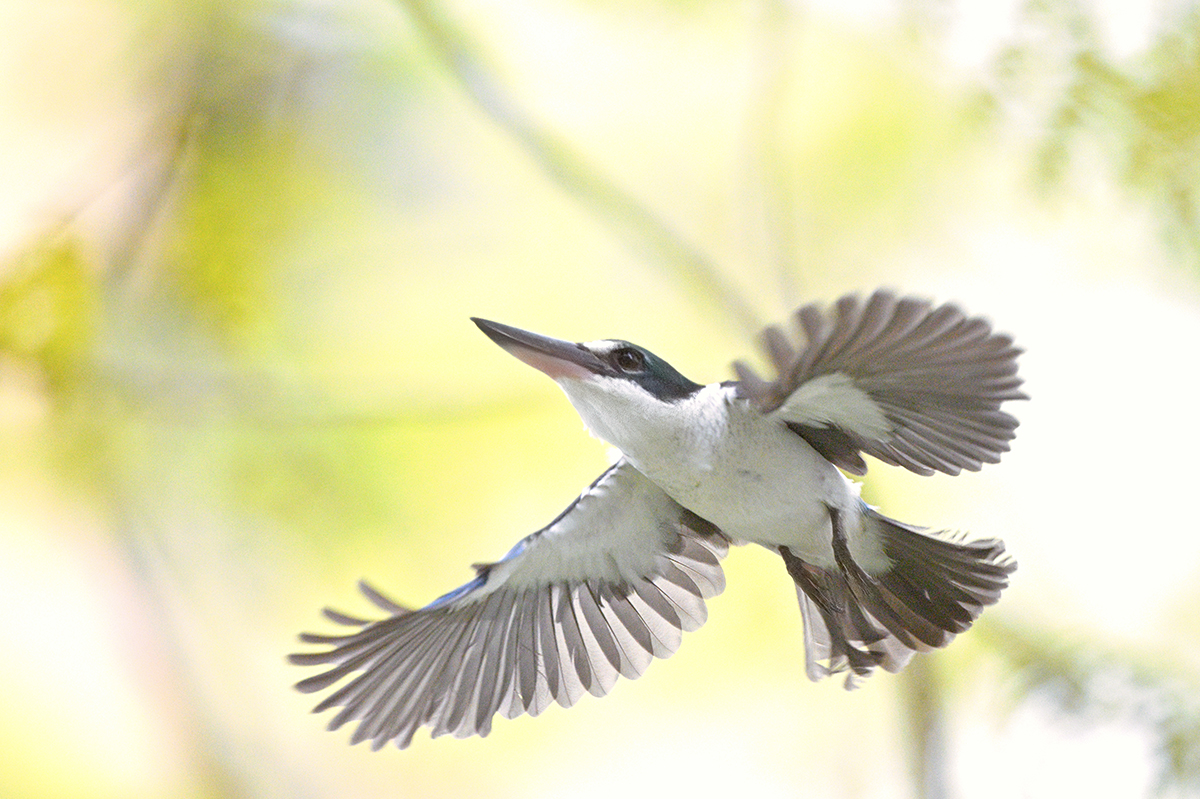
column 652, row 433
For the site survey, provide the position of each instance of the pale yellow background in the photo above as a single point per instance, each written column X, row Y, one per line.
column 239, row 246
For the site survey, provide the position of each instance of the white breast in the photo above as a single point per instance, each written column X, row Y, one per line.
column 718, row 457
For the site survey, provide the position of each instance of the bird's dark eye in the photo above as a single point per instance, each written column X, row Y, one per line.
column 628, row 359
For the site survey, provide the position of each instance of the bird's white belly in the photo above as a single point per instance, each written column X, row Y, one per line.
column 721, row 459
column 761, row 483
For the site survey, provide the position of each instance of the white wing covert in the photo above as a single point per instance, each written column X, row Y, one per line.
column 599, row 592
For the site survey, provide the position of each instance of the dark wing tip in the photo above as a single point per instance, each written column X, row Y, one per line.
column 379, row 600
column 337, row 617
column 753, row 387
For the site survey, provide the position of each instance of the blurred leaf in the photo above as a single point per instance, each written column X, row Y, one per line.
column 48, row 311
column 1096, row 682
column 237, row 211
column 1144, row 113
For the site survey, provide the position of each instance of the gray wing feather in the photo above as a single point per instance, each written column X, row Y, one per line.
column 935, row 588
column 631, row 623
column 913, row 384
column 660, row 617
column 545, row 654
column 525, row 685
column 571, row 640
column 599, row 593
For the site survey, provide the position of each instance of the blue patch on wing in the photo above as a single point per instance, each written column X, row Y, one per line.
column 458, row 593
column 480, row 578
column 517, row 549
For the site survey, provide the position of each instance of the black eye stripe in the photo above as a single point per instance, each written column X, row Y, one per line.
column 630, row 362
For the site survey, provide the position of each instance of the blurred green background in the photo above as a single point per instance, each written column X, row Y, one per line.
column 239, row 246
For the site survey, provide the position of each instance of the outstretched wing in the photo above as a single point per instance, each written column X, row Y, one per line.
column 912, row 384
column 599, row 592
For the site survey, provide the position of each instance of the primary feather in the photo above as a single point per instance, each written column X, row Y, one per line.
column 598, row 593
column 913, row 384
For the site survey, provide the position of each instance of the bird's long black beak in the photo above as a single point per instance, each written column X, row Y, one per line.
column 555, row 357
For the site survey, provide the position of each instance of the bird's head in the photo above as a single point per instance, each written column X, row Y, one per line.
column 616, row 387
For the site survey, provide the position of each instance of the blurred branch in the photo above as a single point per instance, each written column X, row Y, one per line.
column 130, row 199
column 570, row 170
column 161, row 160
column 1099, row 683
column 924, row 709
column 778, row 200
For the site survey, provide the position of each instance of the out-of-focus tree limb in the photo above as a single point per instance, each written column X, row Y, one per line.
column 570, row 170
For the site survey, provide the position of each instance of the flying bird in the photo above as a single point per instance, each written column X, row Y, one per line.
column 616, row 578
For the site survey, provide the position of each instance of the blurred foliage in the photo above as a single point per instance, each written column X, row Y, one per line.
column 196, row 367
column 48, row 309
column 567, row 166
column 1096, row 683
column 50, row 314
column 1141, row 111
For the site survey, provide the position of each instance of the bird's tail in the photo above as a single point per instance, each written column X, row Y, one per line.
column 935, row 587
